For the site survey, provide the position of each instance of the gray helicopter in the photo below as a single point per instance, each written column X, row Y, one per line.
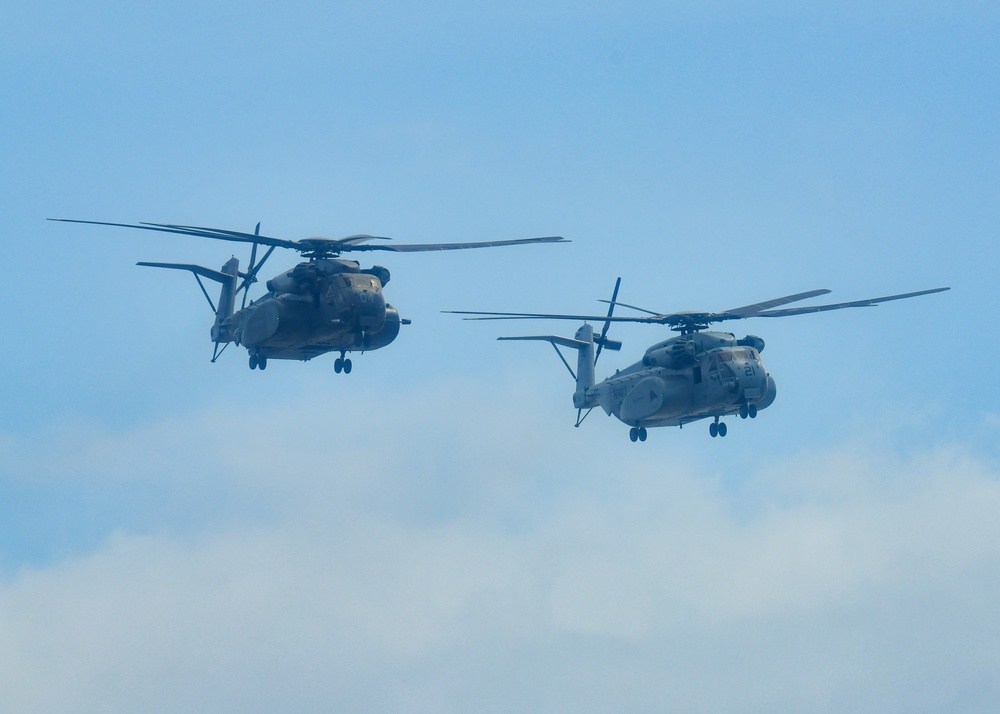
column 696, row 375
column 325, row 304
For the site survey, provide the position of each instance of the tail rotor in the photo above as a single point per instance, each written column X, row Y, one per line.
column 250, row 277
column 602, row 340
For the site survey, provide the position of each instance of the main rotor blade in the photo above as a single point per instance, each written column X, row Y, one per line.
column 870, row 302
column 480, row 315
column 631, row 307
column 322, row 246
column 699, row 320
column 738, row 312
column 221, row 234
column 351, row 240
column 425, row 247
column 749, row 310
column 216, row 233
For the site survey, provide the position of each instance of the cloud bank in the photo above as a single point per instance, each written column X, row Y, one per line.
column 307, row 562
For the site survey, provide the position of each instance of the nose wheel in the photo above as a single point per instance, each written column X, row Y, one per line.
column 717, row 428
column 342, row 365
column 748, row 410
column 637, row 434
column 258, row 362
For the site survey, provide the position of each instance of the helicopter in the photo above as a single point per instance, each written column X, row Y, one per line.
column 325, row 304
column 698, row 374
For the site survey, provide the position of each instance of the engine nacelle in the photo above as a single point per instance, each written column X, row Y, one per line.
column 297, row 281
column 304, row 278
column 674, row 355
column 379, row 272
column 752, row 341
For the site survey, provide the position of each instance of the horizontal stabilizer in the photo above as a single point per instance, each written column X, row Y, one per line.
column 554, row 339
column 215, row 275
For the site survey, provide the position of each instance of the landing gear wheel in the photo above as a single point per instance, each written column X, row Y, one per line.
column 642, row 433
column 722, row 428
column 253, row 361
column 744, row 411
column 262, row 363
column 338, row 365
column 713, row 429
column 347, row 366
column 753, row 411
column 633, row 434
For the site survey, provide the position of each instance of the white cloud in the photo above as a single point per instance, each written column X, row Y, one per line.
column 443, row 565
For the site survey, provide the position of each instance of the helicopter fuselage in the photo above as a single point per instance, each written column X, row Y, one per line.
column 323, row 305
column 696, row 375
column 686, row 378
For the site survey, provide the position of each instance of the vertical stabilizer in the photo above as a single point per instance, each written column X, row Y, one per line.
column 584, row 365
column 227, row 301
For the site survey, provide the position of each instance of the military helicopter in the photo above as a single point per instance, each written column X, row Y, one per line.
column 696, row 375
column 325, row 304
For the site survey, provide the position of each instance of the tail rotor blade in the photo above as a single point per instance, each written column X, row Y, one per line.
column 607, row 323
column 251, row 273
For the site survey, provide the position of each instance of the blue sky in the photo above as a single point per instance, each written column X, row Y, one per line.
column 431, row 533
